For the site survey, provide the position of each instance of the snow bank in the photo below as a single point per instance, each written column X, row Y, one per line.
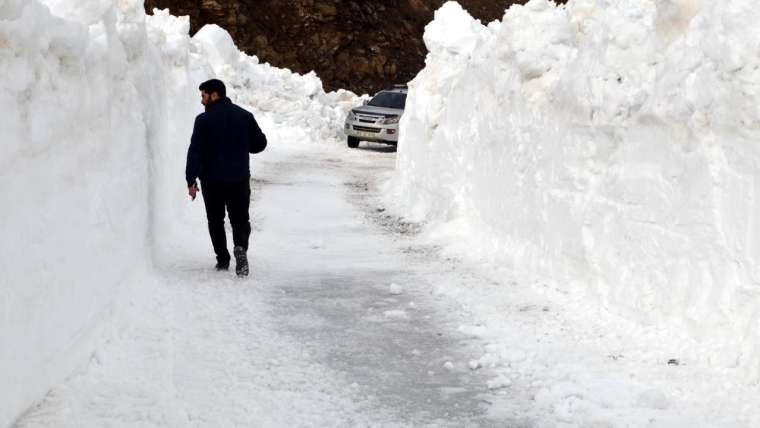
column 289, row 98
column 98, row 105
column 610, row 147
column 76, row 107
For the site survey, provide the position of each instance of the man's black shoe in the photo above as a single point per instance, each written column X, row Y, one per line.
column 241, row 262
column 222, row 265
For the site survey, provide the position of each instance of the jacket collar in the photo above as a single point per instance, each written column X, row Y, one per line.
column 222, row 101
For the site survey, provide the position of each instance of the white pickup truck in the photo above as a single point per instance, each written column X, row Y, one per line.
column 377, row 120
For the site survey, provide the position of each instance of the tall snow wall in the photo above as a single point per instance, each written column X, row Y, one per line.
column 79, row 112
column 608, row 147
column 97, row 103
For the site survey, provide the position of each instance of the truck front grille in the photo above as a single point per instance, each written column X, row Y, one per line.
column 366, row 129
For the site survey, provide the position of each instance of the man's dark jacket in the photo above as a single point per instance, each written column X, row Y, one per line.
column 222, row 138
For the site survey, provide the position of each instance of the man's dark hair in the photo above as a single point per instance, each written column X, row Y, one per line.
column 214, row 85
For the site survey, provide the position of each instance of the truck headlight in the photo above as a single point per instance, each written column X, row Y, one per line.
column 391, row 120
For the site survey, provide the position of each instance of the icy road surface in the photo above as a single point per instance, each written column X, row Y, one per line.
column 335, row 328
column 352, row 318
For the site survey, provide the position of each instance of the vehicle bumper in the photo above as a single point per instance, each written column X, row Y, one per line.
column 372, row 131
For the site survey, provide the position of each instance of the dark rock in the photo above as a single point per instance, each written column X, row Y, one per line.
column 352, row 44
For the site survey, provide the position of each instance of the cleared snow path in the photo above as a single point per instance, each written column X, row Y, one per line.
column 333, row 329
column 351, row 319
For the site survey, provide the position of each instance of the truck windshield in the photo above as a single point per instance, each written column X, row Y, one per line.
column 395, row 100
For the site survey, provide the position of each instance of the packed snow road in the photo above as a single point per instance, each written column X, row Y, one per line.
column 334, row 328
column 354, row 318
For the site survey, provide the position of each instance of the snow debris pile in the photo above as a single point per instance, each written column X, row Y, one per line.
column 608, row 147
column 98, row 105
column 293, row 99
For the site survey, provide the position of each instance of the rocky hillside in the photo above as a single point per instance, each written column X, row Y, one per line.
column 358, row 45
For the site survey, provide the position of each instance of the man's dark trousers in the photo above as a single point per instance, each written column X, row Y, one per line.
column 235, row 196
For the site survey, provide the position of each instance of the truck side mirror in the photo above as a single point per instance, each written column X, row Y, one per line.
column 365, row 102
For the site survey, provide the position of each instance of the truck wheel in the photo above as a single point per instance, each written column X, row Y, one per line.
column 353, row 142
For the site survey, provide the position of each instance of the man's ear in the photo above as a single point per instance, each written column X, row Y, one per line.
column 215, row 96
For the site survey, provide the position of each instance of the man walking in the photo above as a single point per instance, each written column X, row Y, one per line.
column 218, row 155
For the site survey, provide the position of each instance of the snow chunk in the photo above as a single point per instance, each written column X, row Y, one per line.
column 218, row 46
column 396, row 314
column 473, row 330
column 453, row 30
column 499, row 382
column 395, row 289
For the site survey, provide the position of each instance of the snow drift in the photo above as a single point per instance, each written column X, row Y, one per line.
column 98, row 105
column 609, row 147
column 77, row 122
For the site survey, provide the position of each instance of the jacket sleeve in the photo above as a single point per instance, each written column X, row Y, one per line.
column 258, row 139
column 195, row 152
